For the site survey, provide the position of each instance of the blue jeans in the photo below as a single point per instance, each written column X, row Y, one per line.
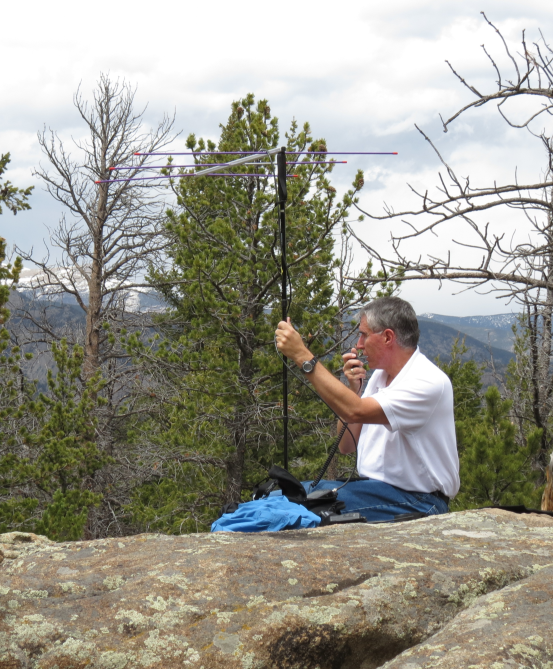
column 380, row 501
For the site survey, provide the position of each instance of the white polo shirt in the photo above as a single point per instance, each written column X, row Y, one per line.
column 418, row 450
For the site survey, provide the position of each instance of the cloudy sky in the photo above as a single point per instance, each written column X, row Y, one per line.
column 362, row 73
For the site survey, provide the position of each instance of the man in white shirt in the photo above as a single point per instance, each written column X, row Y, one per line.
column 402, row 425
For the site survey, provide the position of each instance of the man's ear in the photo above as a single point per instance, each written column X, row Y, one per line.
column 389, row 336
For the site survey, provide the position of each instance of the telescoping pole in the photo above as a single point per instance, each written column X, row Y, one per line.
column 282, row 197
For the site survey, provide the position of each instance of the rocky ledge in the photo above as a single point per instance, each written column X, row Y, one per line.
column 471, row 589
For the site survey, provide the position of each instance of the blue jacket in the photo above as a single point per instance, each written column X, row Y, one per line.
column 266, row 515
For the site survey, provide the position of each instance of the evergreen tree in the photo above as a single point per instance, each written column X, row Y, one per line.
column 529, row 386
column 48, row 455
column 495, row 466
column 14, row 389
column 217, row 370
column 466, row 379
column 47, row 469
column 495, row 469
column 9, row 275
column 15, row 199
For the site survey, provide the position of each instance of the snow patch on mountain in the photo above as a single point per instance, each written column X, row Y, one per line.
column 35, row 284
column 496, row 321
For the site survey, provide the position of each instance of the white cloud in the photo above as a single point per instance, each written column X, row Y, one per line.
column 361, row 73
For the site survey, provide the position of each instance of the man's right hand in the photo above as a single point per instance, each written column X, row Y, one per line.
column 354, row 370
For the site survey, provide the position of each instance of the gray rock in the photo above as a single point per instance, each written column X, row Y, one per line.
column 512, row 627
column 417, row 594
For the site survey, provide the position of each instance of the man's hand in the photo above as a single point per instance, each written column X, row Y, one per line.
column 354, row 370
column 290, row 344
column 344, row 402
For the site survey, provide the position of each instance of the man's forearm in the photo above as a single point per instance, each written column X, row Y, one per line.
column 350, row 439
column 348, row 405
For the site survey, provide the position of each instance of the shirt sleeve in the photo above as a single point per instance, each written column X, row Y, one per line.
column 408, row 408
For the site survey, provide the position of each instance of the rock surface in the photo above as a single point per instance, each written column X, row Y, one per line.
column 511, row 627
column 472, row 589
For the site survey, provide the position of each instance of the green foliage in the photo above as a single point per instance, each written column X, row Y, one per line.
column 12, row 384
column 466, row 379
column 15, row 199
column 14, row 389
column 47, row 470
column 64, row 519
column 221, row 427
column 178, row 502
column 495, row 470
column 529, row 382
column 48, row 452
column 9, row 276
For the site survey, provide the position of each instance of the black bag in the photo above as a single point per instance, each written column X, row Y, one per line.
column 318, row 501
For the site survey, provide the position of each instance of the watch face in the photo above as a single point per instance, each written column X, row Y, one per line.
column 308, row 366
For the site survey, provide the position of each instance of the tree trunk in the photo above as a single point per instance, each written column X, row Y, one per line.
column 235, row 467
column 547, row 498
column 245, row 342
column 91, row 362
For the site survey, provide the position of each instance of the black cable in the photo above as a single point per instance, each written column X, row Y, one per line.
column 322, row 471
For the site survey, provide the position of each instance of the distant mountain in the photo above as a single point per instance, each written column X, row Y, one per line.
column 64, row 318
column 438, row 332
column 61, row 313
column 137, row 300
column 437, row 340
column 493, row 330
column 498, row 321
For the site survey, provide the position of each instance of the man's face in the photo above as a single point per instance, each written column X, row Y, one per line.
column 372, row 343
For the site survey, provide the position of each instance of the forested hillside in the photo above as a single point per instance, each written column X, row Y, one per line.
column 140, row 386
column 495, row 330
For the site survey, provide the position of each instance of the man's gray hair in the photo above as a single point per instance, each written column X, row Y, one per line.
column 395, row 314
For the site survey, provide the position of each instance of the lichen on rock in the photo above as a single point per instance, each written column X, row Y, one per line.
column 466, row 589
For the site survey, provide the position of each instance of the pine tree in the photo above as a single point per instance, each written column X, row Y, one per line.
column 496, row 465
column 495, row 469
column 15, row 199
column 15, row 392
column 218, row 372
column 14, row 389
column 47, row 473
column 466, row 379
column 529, row 386
column 48, row 454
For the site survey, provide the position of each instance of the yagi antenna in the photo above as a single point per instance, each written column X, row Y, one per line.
column 221, row 170
column 170, row 165
column 272, row 151
column 195, row 174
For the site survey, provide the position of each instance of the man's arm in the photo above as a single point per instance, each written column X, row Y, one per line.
column 347, row 443
column 355, row 375
column 350, row 407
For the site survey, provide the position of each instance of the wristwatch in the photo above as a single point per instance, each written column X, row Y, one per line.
column 309, row 365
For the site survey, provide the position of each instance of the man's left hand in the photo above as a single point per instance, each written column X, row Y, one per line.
column 290, row 344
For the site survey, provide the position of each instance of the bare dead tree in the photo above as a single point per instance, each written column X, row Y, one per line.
column 107, row 238
column 110, row 232
column 470, row 215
